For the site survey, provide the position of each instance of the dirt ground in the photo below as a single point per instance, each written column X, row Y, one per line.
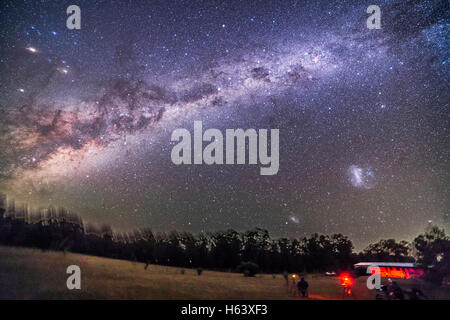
column 33, row 274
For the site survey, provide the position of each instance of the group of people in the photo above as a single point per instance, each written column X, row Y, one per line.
column 393, row 291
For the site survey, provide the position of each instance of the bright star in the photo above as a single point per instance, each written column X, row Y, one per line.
column 31, row 49
column 63, row 70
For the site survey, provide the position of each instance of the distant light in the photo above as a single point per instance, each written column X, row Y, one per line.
column 22, row 90
column 31, row 49
column 54, row 33
column 63, row 70
column 294, row 219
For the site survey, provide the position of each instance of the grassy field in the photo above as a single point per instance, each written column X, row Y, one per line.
column 33, row 274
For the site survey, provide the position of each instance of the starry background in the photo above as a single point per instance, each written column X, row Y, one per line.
column 86, row 115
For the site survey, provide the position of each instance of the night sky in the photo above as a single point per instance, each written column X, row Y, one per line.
column 86, row 115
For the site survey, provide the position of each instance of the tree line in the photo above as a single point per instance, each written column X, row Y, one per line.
column 221, row 250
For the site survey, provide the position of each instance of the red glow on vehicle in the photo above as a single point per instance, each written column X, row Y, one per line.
column 401, row 273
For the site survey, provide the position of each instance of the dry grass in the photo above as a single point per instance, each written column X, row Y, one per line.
column 33, row 274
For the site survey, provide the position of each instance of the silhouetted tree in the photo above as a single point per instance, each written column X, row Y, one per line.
column 433, row 248
column 388, row 250
column 51, row 229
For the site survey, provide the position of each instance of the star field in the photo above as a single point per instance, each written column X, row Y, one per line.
column 86, row 115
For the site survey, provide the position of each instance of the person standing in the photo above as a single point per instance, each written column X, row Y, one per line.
column 302, row 287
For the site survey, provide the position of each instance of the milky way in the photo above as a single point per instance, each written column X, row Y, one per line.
column 86, row 115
